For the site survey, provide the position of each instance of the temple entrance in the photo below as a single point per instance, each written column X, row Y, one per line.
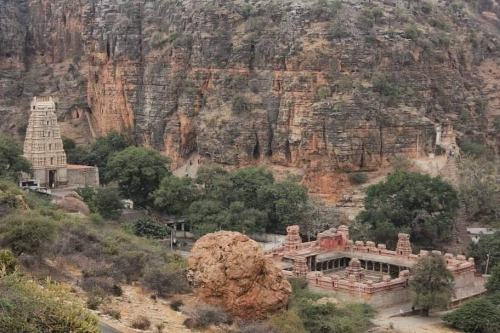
column 52, row 178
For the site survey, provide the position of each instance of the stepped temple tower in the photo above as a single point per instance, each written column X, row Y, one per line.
column 44, row 148
column 43, row 144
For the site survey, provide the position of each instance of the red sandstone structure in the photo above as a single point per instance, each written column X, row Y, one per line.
column 364, row 271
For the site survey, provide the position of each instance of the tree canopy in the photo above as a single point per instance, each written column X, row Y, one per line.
column 409, row 202
column 475, row 316
column 138, row 172
column 11, row 160
column 432, row 283
column 488, row 245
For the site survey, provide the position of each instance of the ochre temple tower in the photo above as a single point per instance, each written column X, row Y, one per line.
column 43, row 144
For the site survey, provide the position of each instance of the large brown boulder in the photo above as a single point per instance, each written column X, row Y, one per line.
column 229, row 269
column 73, row 203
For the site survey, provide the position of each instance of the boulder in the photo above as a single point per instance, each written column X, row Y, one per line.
column 73, row 203
column 228, row 269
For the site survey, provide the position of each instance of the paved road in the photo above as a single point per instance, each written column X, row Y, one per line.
column 105, row 328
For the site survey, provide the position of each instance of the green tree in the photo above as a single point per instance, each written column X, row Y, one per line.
column 478, row 188
column 286, row 203
column 432, row 284
column 175, row 194
column 410, row 202
column 244, row 220
column 217, row 184
column 108, row 203
column 101, row 151
column 207, row 216
column 475, row 316
column 247, row 182
column 487, row 246
column 148, row 228
column 75, row 154
column 138, row 172
column 493, row 284
column 11, row 160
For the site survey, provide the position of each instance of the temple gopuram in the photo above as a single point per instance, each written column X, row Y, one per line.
column 364, row 271
column 43, row 147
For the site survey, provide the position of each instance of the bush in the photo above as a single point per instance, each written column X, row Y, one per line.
column 287, row 322
column 204, row 315
column 239, row 104
column 358, row 178
column 108, row 203
column 141, row 323
column 94, row 301
column 176, row 304
column 12, row 161
column 158, row 39
column 148, row 228
column 165, row 281
column 478, row 315
column 113, row 313
column 29, row 307
column 28, row 233
column 8, row 262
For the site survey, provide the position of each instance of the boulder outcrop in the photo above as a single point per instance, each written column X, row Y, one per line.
column 229, row 269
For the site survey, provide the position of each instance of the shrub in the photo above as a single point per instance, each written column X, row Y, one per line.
column 358, row 178
column 113, row 313
column 412, row 32
column 258, row 328
column 204, row 315
column 94, row 301
column 165, row 281
column 287, row 322
column 8, row 262
column 141, row 323
column 176, row 304
column 493, row 284
column 108, row 203
column 322, row 93
column 29, row 307
column 239, row 104
column 478, row 315
column 27, row 233
column 148, row 228
column 158, row 39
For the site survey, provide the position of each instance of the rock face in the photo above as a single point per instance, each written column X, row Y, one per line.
column 306, row 84
column 229, row 269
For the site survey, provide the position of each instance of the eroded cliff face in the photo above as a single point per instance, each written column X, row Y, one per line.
column 324, row 86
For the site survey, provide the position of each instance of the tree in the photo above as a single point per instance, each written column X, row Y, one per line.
column 138, row 172
column 432, row 283
column 247, row 182
column 175, row 194
column 217, row 184
column 286, row 203
column 493, row 284
column 206, row 216
column 488, row 245
column 150, row 229
column 108, row 203
column 475, row 316
column 478, row 188
column 244, row 220
column 103, row 149
column 8, row 263
column 410, row 202
column 11, row 160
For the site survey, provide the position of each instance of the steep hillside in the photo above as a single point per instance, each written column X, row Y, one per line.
column 323, row 86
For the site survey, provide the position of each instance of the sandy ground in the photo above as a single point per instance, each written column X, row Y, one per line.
column 386, row 319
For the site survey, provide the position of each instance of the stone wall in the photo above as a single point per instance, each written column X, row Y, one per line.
column 83, row 175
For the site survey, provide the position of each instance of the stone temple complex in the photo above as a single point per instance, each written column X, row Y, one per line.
column 43, row 147
column 364, row 271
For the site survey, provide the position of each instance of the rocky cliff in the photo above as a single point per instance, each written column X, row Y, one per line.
column 320, row 85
